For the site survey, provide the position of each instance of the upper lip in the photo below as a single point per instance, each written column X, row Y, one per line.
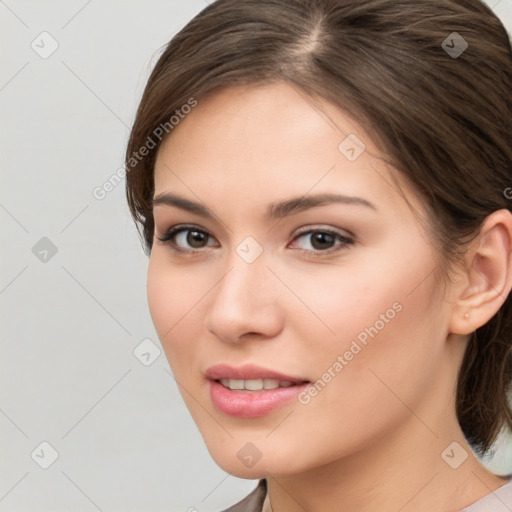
column 247, row 372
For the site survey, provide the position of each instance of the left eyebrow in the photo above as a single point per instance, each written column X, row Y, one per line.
column 274, row 211
column 299, row 204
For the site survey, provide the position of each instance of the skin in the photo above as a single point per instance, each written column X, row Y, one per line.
column 372, row 439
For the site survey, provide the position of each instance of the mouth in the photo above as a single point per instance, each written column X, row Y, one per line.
column 252, row 391
column 258, row 384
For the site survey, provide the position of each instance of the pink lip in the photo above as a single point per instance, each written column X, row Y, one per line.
column 250, row 404
column 247, row 372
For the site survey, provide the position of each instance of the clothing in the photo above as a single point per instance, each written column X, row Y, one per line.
column 498, row 501
column 253, row 502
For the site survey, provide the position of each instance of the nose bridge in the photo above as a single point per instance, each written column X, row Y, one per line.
column 242, row 300
column 246, row 271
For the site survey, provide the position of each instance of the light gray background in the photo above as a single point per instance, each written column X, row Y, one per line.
column 71, row 322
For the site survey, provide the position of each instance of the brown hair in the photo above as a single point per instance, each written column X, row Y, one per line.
column 443, row 119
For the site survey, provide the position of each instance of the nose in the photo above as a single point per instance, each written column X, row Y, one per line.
column 245, row 302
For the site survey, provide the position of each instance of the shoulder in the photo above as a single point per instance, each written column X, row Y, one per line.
column 252, row 502
column 498, row 501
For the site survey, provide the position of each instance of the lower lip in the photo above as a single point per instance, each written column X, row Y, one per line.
column 252, row 404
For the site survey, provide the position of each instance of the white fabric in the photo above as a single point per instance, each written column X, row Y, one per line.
column 498, row 501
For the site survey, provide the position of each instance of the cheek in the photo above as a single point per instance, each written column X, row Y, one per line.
column 171, row 300
column 371, row 390
column 343, row 302
column 159, row 293
column 383, row 365
column 374, row 327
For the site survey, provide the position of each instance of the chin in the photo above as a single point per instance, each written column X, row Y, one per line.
column 231, row 464
column 244, row 460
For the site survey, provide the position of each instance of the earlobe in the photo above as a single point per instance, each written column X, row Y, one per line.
column 488, row 276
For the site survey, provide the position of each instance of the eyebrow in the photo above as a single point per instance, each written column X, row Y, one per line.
column 275, row 210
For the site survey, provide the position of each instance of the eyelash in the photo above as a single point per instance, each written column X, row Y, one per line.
column 168, row 239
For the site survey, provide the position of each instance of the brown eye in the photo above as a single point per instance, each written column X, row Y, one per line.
column 186, row 239
column 196, row 238
column 321, row 241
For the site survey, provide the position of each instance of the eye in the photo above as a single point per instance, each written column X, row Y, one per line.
column 192, row 239
column 179, row 237
column 323, row 241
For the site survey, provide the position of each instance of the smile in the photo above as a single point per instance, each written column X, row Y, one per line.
column 255, row 384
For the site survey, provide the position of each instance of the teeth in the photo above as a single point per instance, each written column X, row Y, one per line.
column 236, row 384
column 270, row 384
column 256, row 384
column 253, row 385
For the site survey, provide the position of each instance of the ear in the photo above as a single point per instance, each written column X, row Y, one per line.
column 487, row 278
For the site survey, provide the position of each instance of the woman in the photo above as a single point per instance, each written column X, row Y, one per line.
column 323, row 188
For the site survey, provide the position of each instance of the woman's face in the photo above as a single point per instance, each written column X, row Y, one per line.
column 338, row 293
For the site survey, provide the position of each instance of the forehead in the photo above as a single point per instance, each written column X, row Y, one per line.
column 271, row 141
column 245, row 120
